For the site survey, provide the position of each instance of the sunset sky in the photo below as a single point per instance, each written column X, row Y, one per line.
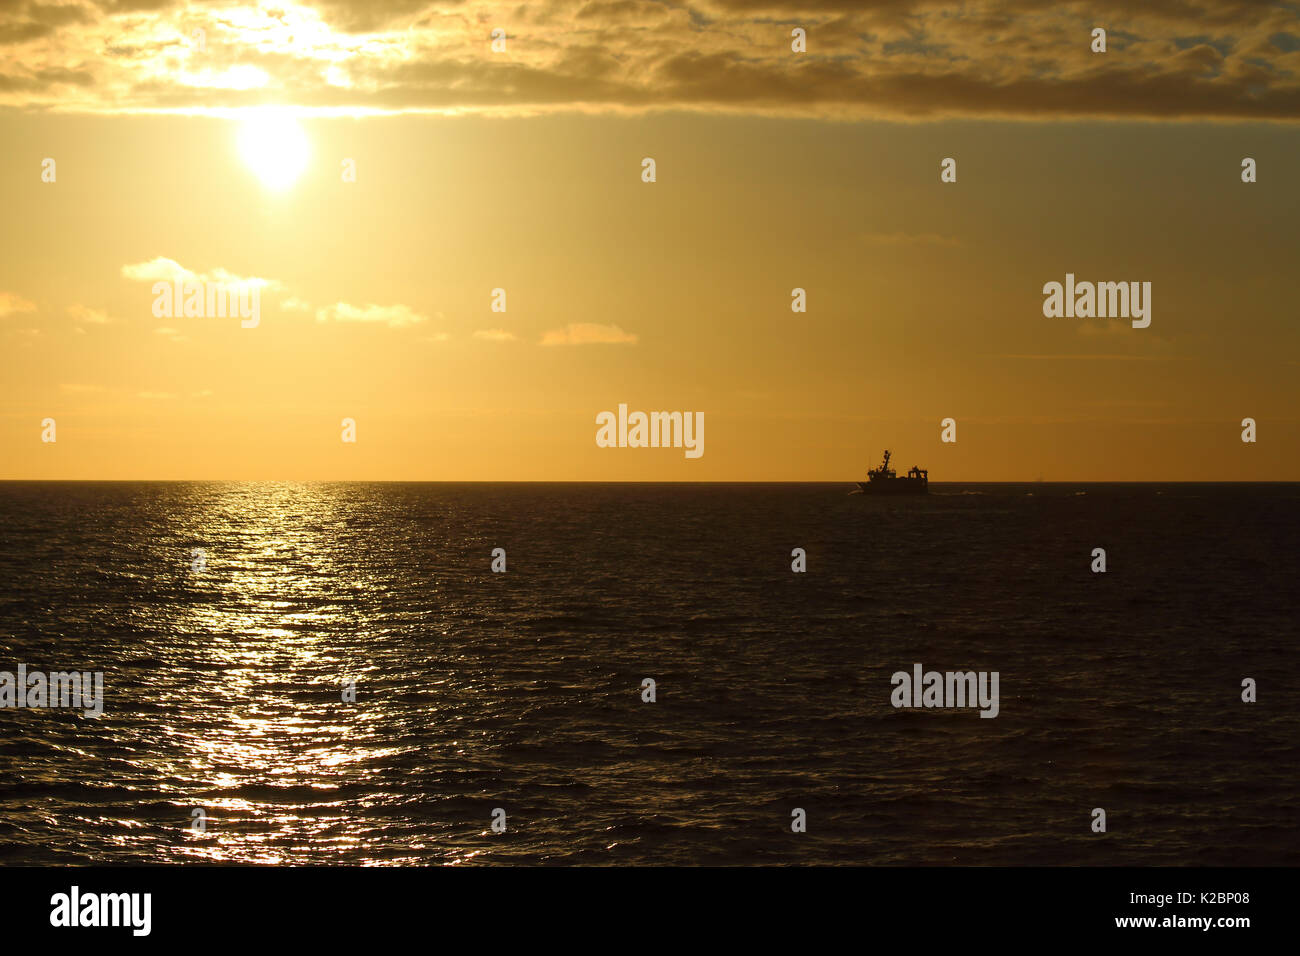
column 521, row 170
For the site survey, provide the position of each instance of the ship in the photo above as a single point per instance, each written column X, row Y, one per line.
column 883, row 481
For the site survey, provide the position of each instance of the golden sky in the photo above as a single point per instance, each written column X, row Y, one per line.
column 521, row 170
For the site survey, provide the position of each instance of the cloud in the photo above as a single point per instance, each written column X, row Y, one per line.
column 11, row 304
column 1120, row 332
column 910, row 239
column 163, row 269
column 156, row 270
column 88, row 316
column 1096, row 357
column 26, row 22
column 587, row 333
column 883, row 58
column 79, row 389
column 173, row 335
column 494, row 335
column 169, row 270
column 395, row 316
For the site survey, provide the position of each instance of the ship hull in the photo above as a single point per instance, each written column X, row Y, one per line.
column 895, row 486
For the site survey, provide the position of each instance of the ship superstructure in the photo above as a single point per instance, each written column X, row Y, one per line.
column 885, row 481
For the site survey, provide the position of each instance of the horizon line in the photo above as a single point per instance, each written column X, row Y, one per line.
column 592, row 481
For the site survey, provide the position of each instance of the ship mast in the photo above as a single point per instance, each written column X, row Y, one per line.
column 883, row 471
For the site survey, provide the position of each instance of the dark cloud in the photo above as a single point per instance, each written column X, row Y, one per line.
column 364, row 16
column 31, row 21
column 1215, row 59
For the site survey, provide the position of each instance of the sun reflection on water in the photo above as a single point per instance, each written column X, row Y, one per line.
column 255, row 730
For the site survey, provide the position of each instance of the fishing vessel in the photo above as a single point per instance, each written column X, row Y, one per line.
column 884, row 481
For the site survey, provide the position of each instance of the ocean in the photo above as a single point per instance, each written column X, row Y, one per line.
column 227, row 617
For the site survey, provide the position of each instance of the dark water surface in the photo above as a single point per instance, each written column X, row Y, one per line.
column 522, row 690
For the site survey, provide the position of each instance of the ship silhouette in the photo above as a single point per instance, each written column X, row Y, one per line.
column 883, row 481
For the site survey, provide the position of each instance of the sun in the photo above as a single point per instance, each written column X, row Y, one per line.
column 275, row 147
